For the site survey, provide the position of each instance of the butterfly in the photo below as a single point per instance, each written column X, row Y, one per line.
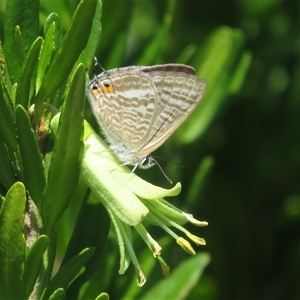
column 138, row 108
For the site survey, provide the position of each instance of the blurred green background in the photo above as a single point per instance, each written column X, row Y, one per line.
column 251, row 198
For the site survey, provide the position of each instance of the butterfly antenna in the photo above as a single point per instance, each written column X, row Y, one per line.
column 170, row 161
column 98, row 64
column 171, row 182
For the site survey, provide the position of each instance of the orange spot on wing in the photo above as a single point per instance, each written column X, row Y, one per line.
column 108, row 89
column 95, row 91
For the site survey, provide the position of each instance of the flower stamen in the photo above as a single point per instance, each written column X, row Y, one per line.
column 185, row 245
column 150, row 242
column 141, row 278
column 165, row 268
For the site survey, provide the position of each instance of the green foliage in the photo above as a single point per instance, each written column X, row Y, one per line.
column 38, row 72
column 242, row 146
column 181, row 281
column 12, row 243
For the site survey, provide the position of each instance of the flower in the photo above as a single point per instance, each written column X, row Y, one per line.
column 130, row 201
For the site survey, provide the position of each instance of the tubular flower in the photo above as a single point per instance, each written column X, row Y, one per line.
column 131, row 201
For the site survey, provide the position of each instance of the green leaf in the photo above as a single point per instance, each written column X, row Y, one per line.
column 25, row 15
column 49, row 47
column 199, row 182
column 47, row 50
column 33, row 263
column 27, row 73
column 239, row 75
column 7, row 177
column 94, row 37
column 64, row 168
column 181, row 281
column 53, row 18
column 20, row 44
column 220, row 70
column 73, row 44
column 59, row 294
column 33, row 171
column 116, row 54
column 187, row 54
column 153, row 52
column 68, row 272
column 12, row 244
column 84, row 236
column 7, row 128
column 48, row 262
column 8, row 90
column 102, row 296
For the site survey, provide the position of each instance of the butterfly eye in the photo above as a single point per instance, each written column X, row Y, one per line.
column 107, row 86
column 147, row 162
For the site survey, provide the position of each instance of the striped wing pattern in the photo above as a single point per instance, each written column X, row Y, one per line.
column 138, row 108
column 179, row 94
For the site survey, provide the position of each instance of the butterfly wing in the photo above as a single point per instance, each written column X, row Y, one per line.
column 123, row 101
column 180, row 91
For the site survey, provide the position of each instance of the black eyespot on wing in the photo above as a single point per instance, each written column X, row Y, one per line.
column 106, row 83
column 94, row 87
column 108, row 87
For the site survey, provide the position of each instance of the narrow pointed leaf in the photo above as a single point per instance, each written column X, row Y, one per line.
column 53, row 18
column 67, row 55
column 102, row 296
column 199, row 180
column 33, row 263
column 153, row 52
column 59, row 294
column 68, row 272
column 12, row 244
column 49, row 47
column 216, row 67
column 94, row 38
column 20, row 44
column 7, row 177
column 33, row 171
column 65, row 162
column 181, row 280
column 24, row 14
column 84, row 236
column 7, row 128
column 27, row 73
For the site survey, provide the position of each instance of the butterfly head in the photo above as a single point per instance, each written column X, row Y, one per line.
column 146, row 162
